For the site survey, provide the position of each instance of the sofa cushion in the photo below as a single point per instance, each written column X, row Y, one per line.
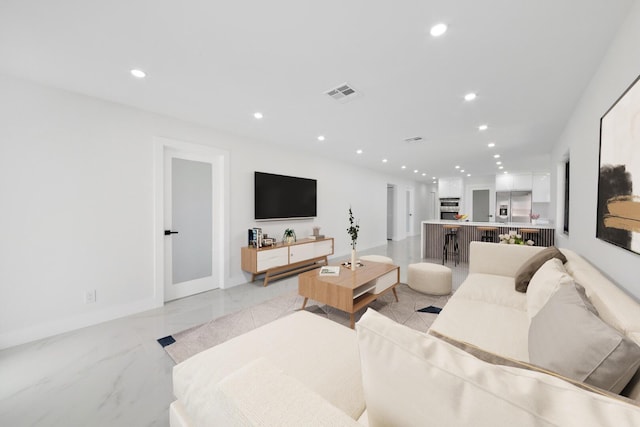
column 260, row 394
column 492, row 289
column 567, row 337
column 411, row 378
column 529, row 268
column 545, row 283
column 497, row 328
column 304, row 345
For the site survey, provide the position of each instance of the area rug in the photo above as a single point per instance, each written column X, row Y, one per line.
column 185, row 344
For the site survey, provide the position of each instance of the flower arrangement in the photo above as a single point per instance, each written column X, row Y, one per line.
column 460, row 217
column 513, row 238
column 353, row 229
column 535, row 216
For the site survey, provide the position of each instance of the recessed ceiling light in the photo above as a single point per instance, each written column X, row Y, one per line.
column 470, row 96
column 433, row 182
column 258, row 115
column 496, row 156
column 468, row 174
column 138, row 73
column 403, row 167
column 384, row 160
column 415, row 171
column 457, row 167
column 483, row 127
column 498, row 162
column 433, row 177
column 501, row 167
column 321, row 138
column 505, row 172
column 461, row 170
column 438, row 30
column 424, row 174
column 358, row 151
column 491, row 144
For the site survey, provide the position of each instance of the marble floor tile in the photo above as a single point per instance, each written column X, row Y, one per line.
column 115, row 373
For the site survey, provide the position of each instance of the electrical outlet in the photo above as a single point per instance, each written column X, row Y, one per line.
column 90, row 296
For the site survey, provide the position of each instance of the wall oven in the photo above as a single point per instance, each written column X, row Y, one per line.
column 449, row 208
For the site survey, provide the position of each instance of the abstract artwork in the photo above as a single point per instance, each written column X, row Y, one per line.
column 618, row 219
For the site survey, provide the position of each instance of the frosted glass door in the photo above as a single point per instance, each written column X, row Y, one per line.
column 189, row 224
column 192, row 217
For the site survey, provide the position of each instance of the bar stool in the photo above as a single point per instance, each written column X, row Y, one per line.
column 530, row 234
column 488, row 234
column 450, row 239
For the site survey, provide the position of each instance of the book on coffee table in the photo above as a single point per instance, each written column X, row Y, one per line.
column 330, row 270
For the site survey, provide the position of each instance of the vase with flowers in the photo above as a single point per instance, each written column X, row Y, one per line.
column 353, row 229
column 513, row 238
column 534, row 218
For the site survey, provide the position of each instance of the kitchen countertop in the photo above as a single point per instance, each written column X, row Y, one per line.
column 491, row 224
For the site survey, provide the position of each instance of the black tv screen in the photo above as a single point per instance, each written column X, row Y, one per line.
column 280, row 196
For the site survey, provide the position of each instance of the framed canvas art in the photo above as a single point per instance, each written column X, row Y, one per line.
column 618, row 220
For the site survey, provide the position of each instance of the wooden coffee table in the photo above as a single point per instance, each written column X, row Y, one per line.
column 351, row 290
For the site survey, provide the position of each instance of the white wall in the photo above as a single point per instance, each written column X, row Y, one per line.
column 77, row 187
column 619, row 68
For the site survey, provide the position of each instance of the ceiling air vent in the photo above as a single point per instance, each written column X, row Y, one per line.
column 413, row 139
column 343, row 93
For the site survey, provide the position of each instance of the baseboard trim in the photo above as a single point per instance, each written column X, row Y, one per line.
column 55, row 327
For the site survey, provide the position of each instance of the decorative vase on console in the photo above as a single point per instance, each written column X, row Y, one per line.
column 353, row 229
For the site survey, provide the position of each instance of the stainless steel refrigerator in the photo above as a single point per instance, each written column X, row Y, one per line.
column 513, row 206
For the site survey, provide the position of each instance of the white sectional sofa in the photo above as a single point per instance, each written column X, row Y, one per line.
column 307, row 370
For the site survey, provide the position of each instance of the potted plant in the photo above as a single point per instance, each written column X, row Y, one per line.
column 353, row 229
column 289, row 236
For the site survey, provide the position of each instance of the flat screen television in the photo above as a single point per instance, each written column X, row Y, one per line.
column 281, row 196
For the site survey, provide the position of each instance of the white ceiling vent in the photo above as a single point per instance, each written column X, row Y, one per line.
column 413, row 139
column 343, row 93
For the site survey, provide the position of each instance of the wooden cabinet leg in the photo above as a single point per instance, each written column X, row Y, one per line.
column 395, row 294
column 304, row 303
column 352, row 317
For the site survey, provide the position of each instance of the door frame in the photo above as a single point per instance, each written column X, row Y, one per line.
column 220, row 161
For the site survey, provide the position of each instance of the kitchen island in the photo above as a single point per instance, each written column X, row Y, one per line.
column 432, row 235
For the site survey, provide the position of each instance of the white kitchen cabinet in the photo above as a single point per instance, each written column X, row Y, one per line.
column 541, row 188
column 522, row 181
column 504, row 182
column 450, row 187
column 514, row 182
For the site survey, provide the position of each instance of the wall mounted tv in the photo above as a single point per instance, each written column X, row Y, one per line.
column 282, row 197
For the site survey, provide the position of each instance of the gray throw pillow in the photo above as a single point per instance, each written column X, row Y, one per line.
column 529, row 268
column 567, row 338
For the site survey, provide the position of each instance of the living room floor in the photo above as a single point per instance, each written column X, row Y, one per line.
column 115, row 373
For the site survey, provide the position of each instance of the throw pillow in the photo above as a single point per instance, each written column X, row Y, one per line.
column 545, row 283
column 529, row 268
column 567, row 338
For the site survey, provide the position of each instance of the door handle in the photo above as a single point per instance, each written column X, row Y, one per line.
column 169, row 232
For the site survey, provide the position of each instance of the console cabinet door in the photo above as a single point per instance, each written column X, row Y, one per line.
column 323, row 248
column 301, row 252
column 272, row 258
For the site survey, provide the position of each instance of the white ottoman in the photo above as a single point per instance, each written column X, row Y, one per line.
column 433, row 279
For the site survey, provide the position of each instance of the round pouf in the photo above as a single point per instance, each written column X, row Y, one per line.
column 432, row 279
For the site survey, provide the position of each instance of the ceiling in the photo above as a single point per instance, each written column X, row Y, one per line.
column 218, row 62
